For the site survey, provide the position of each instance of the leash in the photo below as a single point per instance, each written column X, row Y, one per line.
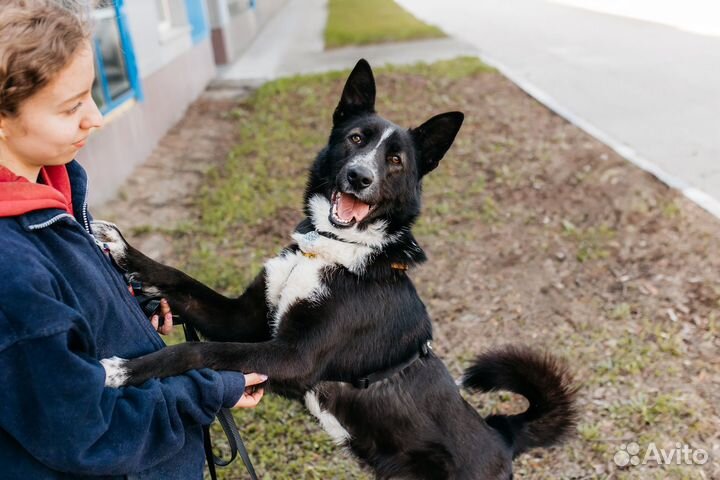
column 227, row 422
column 224, row 416
column 150, row 305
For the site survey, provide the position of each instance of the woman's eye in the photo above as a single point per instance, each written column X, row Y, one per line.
column 395, row 159
column 355, row 138
column 75, row 108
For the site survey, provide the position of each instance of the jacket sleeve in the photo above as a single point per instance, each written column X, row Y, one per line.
column 55, row 404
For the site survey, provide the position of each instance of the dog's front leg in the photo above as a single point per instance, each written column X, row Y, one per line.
column 280, row 361
column 156, row 279
column 216, row 317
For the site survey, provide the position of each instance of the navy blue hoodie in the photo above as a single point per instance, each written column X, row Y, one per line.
column 63, row 307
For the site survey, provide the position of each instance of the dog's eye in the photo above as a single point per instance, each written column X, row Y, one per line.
column 356, row 138
column 395, row 159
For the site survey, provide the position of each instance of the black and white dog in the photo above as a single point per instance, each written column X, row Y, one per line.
column 334, row 319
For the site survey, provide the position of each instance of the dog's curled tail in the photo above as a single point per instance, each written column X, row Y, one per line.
column 542, row 380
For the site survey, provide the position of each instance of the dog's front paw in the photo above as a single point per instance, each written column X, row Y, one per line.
column 116, row 372
column 108, row 236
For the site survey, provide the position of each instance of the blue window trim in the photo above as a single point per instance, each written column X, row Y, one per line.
column 128, row 49
column 135, row 91
column 110, row 103
column 198, row 19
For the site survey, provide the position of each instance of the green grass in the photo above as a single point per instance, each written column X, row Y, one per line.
column 352, row 22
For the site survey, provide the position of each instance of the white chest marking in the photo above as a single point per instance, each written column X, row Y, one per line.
column 292, row 277
column 327, row 420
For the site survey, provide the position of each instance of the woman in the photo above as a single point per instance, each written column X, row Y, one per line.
column 62, row 304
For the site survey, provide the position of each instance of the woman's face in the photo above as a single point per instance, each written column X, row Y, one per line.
column 54, row 123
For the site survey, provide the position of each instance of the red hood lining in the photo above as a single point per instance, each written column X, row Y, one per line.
column 19, row 196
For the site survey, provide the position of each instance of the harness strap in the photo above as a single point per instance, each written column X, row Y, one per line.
column 367, row 380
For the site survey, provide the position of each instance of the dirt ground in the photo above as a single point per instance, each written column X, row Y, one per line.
column 536, row 233
column 160, row 193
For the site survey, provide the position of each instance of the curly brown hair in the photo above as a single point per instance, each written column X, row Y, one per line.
column 37, row 40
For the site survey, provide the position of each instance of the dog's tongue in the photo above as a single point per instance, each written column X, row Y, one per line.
column 350, row 207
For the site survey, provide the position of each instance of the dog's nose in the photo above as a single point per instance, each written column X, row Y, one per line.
column 360, row 177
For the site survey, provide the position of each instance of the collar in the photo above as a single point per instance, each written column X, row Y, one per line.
column 314, row 242
column 394, row 265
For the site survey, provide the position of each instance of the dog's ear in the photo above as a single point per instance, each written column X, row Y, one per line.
column 434, row 137
column 358, row 96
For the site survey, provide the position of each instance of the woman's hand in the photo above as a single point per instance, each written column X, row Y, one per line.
column 167, row 325
column 253, row 394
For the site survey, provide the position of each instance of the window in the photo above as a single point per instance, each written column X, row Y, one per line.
column 115, row 72
column 164, row 15
column 172, row 19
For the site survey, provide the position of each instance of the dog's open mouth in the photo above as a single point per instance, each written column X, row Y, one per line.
column 347, row 209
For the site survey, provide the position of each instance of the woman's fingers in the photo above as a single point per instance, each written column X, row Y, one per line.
column 254, row 379
column 167, row 325
column 250, row 400
column 166, row 313
column 164, row 307
column 253, row 394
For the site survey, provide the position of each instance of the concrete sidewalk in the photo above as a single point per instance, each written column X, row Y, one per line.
column 292, row 43
column 649, row 90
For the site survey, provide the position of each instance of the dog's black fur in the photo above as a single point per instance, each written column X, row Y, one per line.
column 366, row 316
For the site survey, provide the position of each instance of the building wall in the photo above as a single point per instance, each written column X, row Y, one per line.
column 234, row 27
column 174, row 72
column 152, row 50
column 175, row 63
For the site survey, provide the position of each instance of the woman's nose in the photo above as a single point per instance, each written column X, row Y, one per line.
column 92, row 118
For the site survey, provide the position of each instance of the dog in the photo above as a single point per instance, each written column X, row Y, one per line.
column 334, row 319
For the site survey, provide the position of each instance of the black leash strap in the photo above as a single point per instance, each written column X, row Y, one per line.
column 150, row 306
column 227, row 422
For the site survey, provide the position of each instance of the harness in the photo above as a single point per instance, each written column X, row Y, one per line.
column 367, row 380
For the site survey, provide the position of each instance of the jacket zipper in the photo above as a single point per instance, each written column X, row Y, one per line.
column 47, row 223
column 84, row 211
